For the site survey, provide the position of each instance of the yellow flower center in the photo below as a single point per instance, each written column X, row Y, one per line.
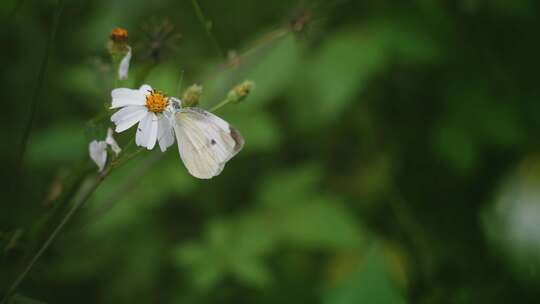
column 156, row 102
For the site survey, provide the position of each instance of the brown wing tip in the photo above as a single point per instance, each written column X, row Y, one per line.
column 238, row 139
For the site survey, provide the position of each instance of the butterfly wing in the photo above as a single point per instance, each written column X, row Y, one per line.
column 205, row 141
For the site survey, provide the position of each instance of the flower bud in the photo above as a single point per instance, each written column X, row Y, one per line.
column 191, row 96
column 118, row 43
column 241, row 91
column 120, row 51
column 119, row 34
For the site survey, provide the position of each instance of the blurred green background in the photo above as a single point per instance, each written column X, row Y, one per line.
column 391, row 153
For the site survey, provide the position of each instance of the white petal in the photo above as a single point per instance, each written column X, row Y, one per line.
column 123, row 97
column 139, row 134
column 145, row 88
column 98, row 153
column 123, row 67
column 111, row 142
column 165, row 133
column 144, row 130
column 125, row 118
column 153, row 132
column 125, row 113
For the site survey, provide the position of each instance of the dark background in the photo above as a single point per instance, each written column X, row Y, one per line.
column 391, row 153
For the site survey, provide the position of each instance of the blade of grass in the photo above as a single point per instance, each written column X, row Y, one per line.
column 87, row 189
column 35, row 95
column 206, row 24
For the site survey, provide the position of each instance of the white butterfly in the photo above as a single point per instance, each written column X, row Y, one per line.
column 205, row 141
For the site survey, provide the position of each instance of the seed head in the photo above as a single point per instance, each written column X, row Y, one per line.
column 241, row 91
column 191, row 96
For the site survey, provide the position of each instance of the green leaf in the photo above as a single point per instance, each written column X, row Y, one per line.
column 278, row 189
column 456, row 146
column 259, row 129
column 343, row 67
column 322, row 223
column 369, row 283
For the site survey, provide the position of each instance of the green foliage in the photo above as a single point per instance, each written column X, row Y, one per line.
column 237, row 246
column 378, row 136
column 369, row 282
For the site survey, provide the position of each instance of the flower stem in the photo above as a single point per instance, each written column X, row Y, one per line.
column 37, row 91
column 87, row 189
column 207, row 25
column 119, row 161
column 143, row 74
column 219, row 105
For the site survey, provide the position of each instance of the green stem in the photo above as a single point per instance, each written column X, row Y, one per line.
column 86, row 191
column 120, row 161
column 206, row 24
column 37, row 91
column 133, row 178
column 179, row 85
column 219, row 105
column 144, row 74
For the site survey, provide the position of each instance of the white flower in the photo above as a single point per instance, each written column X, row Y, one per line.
column 123, row 67
column 151, row 109
column 98, row 153
column 111, row 142
column 98, row 149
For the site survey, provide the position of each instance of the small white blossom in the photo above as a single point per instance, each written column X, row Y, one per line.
column 152, row 111
column 123, row 67
column 111, row 142
column 98, row 153
column 98, row 149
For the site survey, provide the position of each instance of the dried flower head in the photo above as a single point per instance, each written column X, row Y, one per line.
column 118, row 42
column 191, row 95
column 241, row 91
column 120, row 51
column 119, row 34
column 160, row 38
column 300, row 21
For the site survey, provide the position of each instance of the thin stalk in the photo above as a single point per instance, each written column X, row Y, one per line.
column 179, row 85
column 265, row 41
column 144, row 73
column 87, row 189
column 119, row 162
column 37, row 91
column 219, row 105
column 134, row 177
column 206, row 24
